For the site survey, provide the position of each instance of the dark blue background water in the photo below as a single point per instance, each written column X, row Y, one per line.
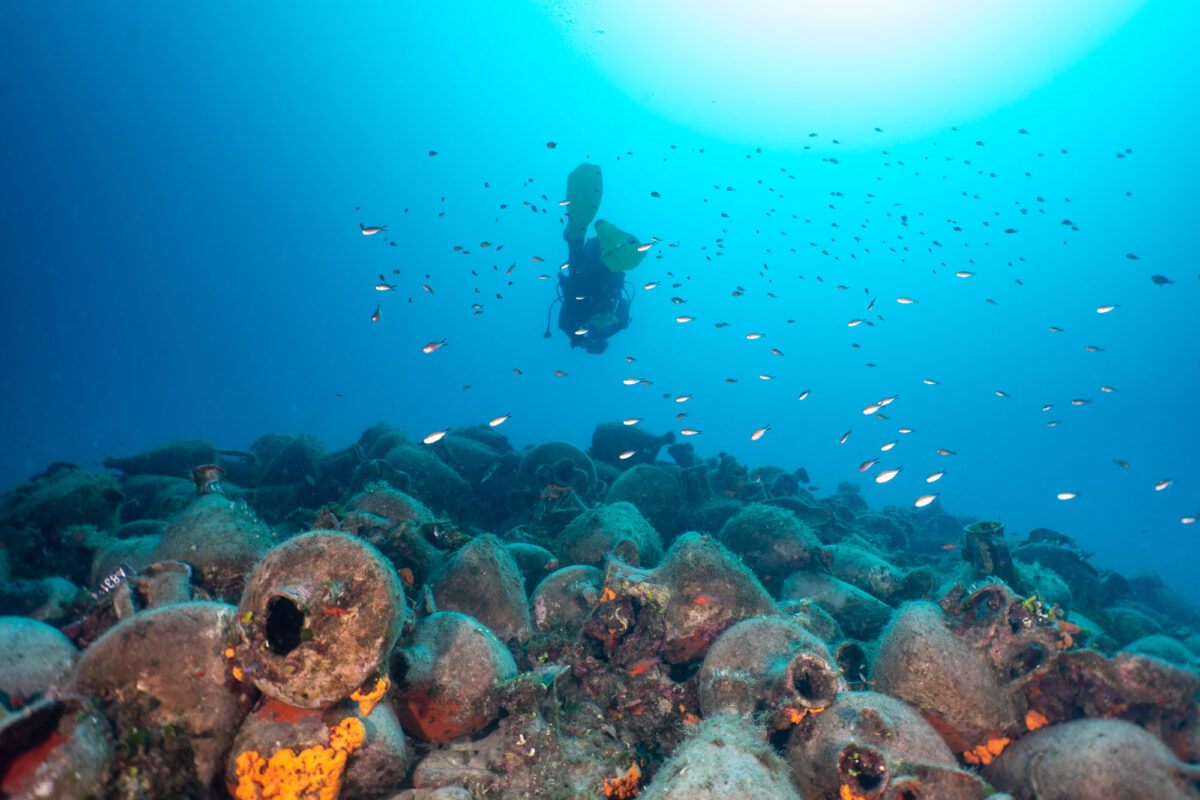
column 182, row 257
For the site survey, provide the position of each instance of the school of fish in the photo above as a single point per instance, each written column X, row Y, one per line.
column 868, row 318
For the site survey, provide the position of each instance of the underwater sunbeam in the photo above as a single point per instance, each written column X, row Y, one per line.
column 770, row 72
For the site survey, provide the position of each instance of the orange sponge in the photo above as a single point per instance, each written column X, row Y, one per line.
column 367, row 700
column 624, row 787
column 314, row 773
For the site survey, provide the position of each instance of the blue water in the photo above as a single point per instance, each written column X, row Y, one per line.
column 184, row 186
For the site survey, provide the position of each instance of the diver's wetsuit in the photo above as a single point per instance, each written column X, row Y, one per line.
column 590, row 291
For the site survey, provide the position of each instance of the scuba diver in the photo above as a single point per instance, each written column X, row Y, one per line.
column 593, row 291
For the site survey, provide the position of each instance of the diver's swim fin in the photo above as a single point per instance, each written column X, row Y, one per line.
column 584, row 189
column 618, row 250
